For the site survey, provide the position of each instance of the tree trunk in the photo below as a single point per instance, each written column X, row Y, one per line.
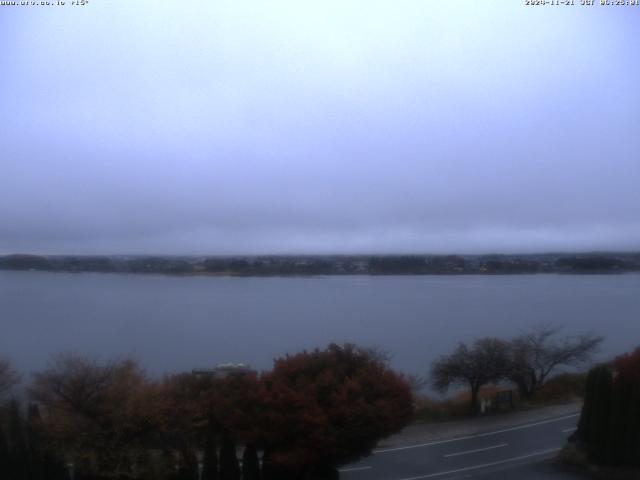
column 474, row 398
column 526, row 389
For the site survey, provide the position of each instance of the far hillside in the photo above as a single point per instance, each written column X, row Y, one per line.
column 271, row 265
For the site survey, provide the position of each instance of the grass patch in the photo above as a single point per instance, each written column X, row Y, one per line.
column 561, row 389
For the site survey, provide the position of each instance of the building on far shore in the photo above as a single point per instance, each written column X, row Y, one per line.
column 223, row 370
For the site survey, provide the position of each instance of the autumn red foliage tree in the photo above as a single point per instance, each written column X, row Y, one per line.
column 201, row 413
column 325, row 408
column 234, row 405
column 184, row 426
column 628, row 367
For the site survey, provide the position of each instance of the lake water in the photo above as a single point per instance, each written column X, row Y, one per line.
column 176, row 323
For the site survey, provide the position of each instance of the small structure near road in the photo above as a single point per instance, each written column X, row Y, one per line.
column 502, row 400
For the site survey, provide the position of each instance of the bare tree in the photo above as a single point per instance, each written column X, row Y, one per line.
column 9, row 378
column 484, row 362
column 417, row 383
column 91, row 409
column 73, row 383
column 379, row 353
column 535, row 354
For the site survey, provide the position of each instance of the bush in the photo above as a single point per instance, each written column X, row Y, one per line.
column 428, row 409
column 561, row 388
column 572, row 455
column 431, row 410
column 330, row 407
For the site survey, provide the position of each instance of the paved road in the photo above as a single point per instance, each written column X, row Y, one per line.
column 522, row 452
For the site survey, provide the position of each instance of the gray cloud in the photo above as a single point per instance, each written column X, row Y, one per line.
column 285, row 127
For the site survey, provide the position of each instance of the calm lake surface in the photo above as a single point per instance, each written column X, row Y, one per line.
column 176, row 323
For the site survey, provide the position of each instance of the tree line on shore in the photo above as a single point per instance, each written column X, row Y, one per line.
column 330, row 265
column 96, row 420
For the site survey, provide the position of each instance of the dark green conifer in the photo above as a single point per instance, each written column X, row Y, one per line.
column 229, row 468
column 210, row 459
column 35, row 444
column 4, row 452
column 600, row 417
column 18, row 453
column 582, row 432
column 615, row 446
column 250, row 463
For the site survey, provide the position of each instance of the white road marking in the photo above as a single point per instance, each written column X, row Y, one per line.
column 567, row 430
column 476, row 450
column 478, row 435
column 485, row 465
column 354, row 469
column 440, row 442
column 530, row 425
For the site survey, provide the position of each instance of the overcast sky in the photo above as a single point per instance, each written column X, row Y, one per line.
column 213, row 127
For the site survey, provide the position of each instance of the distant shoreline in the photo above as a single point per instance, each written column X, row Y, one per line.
column 321, row 265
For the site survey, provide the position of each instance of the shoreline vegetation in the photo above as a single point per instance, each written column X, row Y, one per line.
column 312, row 412
column 302, row 265
column 108, row 419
